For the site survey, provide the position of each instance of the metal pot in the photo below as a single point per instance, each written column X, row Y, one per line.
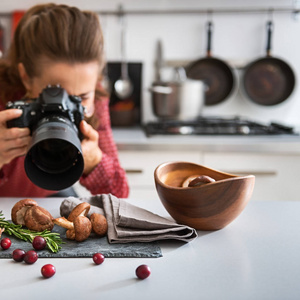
column 181, row 99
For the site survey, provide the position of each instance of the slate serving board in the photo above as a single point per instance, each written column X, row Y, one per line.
column 87, row 248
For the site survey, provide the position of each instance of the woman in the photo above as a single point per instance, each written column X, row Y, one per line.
column 57, row 44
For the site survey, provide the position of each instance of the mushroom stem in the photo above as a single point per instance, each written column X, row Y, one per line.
column 63, row 222
column 1, row 230
column 79, row 230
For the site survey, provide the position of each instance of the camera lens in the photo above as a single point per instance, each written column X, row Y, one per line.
column 54, row 160
column 55, row 156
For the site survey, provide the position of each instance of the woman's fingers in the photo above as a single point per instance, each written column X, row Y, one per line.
column 13, row 141
column 88, row 131
column 9, row 114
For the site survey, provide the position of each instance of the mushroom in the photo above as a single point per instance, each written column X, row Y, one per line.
column 78, row 230
column 188, row 180
column 19, row 210
column 38, row 218
column 99, row 224
column 197, row 180
column 81, row 209
column 200, row 180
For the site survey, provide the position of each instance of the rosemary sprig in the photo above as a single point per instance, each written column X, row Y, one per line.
column 53, row 239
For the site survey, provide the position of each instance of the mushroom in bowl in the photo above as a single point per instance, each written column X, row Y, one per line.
column 208, row 206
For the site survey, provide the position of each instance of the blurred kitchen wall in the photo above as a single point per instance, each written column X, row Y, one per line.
column 238, row 38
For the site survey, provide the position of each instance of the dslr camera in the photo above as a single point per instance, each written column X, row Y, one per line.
column 54, row 160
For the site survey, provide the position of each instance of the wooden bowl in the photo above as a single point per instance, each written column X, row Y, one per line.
column 211, row 206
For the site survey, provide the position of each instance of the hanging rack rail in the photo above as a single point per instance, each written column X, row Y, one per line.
column 249, row 10
column 201, row 11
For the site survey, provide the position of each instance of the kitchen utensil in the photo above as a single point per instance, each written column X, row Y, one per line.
column 210, row 206
column 180, row 99
column 159, row 64
column 123, row 86
column 105, row 80
column 268, row 80
column 217, row 75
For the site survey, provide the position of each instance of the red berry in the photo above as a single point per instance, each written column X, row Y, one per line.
column 142, row 271
column 5, row 243
column 39, row 243
column 30, row 257
column 48, row 270
column 98, row 258
column 18, row 255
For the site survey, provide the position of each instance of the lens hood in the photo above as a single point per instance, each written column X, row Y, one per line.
column 54, row 160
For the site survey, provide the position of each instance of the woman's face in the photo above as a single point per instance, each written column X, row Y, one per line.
column 78, row 79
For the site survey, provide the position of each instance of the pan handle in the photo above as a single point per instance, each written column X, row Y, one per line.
column 209, row 35
column 269, row 37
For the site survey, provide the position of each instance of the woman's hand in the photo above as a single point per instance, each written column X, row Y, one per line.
column 92, row 154
column 13, row 141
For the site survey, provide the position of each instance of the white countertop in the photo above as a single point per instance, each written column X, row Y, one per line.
column 255, row 257
column 135, row 139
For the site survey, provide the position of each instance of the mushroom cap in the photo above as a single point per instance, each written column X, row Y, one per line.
column 200, row 180
column 99, row 224
column 19, row 210
column 82, row 227
column 81, row 209
column 187, row 181
column 38, row 218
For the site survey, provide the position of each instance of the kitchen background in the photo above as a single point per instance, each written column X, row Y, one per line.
column 238, row 38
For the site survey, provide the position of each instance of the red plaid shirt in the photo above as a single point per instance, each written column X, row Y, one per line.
column 107, row 177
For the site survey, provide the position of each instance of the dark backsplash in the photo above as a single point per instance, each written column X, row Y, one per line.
column 125, row 112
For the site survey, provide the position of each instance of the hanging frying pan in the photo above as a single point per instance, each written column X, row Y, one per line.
column 268, row 80
column 217, row 75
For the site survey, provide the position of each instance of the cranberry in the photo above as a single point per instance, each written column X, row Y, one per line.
column 18, row 255
column 30, row 257
column 5, row 243
column 39, row 243
column 48, row 270
column 142, row 271
column 98, row 258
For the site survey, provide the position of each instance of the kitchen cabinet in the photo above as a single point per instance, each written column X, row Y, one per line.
column 276, row 176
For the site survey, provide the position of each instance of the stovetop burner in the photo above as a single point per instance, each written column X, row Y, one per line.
column 216, row 126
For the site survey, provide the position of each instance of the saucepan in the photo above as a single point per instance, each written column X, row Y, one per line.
column 268, row 80
column 180, row 99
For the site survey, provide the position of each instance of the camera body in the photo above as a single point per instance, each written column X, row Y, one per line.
column 53, row 100
column 54, row 160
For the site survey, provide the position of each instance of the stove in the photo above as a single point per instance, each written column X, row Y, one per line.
column 217, row 126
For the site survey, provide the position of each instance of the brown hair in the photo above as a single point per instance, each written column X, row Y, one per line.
column 58, row 32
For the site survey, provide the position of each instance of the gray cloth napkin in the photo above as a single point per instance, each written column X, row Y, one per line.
column 129, row 223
